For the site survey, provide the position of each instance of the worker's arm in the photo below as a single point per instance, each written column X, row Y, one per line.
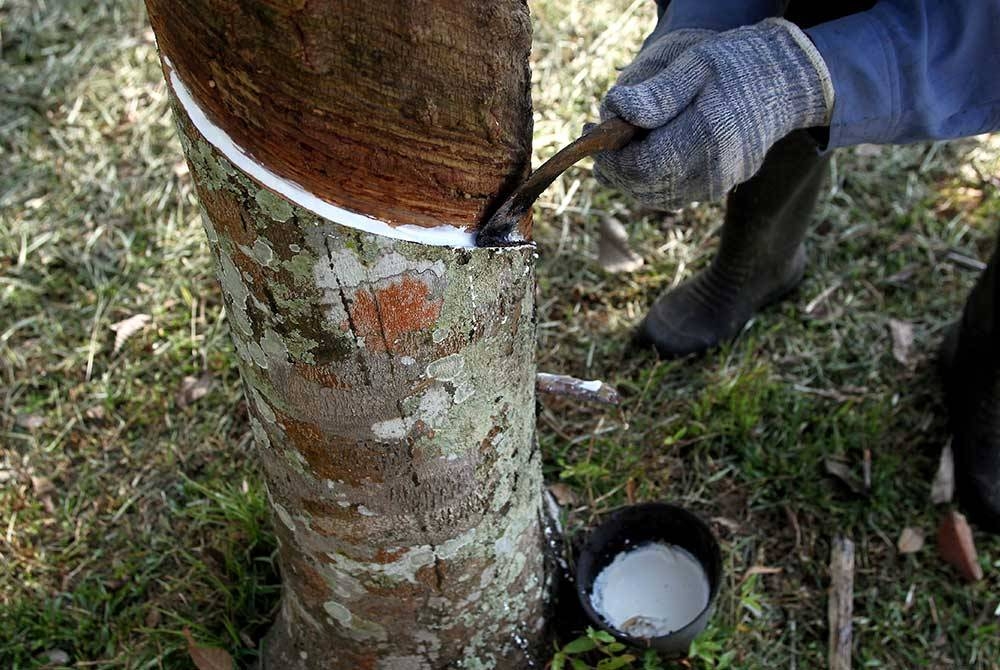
column 909, row 70
column 717, row 14
column 903, row 71
column 682, row 24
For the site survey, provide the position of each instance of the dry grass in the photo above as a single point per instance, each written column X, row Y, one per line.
column 128, row 514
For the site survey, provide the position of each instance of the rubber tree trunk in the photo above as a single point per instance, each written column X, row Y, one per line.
column 343, row 153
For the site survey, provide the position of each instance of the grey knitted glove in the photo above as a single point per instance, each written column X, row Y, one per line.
column 658, row 51
column 714, row 112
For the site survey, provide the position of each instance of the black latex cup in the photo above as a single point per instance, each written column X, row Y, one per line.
column 632, row 527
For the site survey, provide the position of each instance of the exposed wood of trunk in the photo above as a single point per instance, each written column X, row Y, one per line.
column 391, row 383
column 415, row 111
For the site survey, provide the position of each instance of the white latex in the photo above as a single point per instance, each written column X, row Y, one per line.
column 651, row 591
column 442, row 236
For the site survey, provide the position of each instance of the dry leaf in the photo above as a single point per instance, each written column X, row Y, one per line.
column 193, row 389
column 55, row 657
column 902, row 340
column 30, row 421
column 128, row 327
column 957, row 547
column 843, row 473
column 868, row 150
column 152, row 619
column 564, row 495
column 42, row 486
column 613, row 251
column 208, row 658
column 115, row 584
column 943, row 487
column 630, row 487
column 44, row 490
column 903, row 276
column 911, row 540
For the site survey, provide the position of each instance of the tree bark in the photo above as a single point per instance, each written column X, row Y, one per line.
column 343, row 153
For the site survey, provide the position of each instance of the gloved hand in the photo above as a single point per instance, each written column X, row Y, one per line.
column 659, row 50
column 714, row 112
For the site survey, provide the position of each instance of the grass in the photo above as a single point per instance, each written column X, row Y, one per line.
column 127, row 514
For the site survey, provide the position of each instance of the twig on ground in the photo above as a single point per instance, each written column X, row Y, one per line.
column 866, row 469
column 847, row 393
column 760, row 570
column 963, row 261
column 793, row 647
column 841, row 603
column 793, row 521
column 824, row 294
column 588, row 391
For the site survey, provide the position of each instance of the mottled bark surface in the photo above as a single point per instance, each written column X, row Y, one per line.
column 391, row 384
column 392, row 394
column 415, row 111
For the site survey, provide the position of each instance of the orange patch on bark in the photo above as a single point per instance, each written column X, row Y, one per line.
column 225, row 211
column 400, row 593
column 394, row 311
column 309, row 440
column 432, row 576
column 487, row 442
column 385, row 556
column 332, row 457
column 310, row 586
column 320, row 374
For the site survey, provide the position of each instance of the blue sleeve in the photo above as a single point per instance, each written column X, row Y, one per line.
column 910, row 70
column 719, row 14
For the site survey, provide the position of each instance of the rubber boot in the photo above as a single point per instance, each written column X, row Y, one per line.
column 970, row 362
column 761, row 254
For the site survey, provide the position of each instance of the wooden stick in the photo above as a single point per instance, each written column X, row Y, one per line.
column 609, row 135
column 841, row 603
column 592, row 391
column 867, row 470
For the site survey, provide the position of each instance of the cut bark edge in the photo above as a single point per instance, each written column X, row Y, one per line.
column 444, row 235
